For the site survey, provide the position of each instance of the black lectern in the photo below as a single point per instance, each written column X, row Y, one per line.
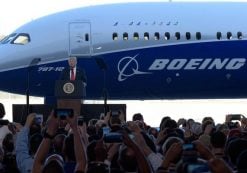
column 70, row 89
column 70, row 94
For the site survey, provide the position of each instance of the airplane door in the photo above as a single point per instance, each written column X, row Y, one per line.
column 79, row 39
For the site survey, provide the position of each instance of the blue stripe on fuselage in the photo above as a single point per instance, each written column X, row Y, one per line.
column 128, row 74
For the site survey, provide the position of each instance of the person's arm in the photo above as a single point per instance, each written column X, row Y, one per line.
column 172, row 153
column 83, row 133
column 142, row 162
column 204, row 152
column 218, row 166
column 112, row 151
column 52, row 126
column 79, row 148
column 23, row 158
column 154, row 159
column 215, row 164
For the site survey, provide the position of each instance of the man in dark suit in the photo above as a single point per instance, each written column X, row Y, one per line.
column 73, row 72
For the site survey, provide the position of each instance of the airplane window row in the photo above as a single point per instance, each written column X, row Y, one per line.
column 229, row 35
column 177, row 36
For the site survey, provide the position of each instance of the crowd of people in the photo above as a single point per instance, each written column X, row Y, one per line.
column 112, row 145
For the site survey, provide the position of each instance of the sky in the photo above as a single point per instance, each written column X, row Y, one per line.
column 14, row 13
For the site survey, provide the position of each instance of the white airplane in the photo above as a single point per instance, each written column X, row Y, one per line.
column 134, row 50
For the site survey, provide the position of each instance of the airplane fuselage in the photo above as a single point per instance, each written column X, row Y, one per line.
column 145, row 51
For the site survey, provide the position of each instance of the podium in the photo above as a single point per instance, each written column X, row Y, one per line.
column 69, row 94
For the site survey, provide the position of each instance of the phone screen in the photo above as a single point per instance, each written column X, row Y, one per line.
column 80, row 121
column 63, row 113
column 188, row 147
column 106, row 130
column 114, row 113
column 113, row 137
column 39, row 118
column 193, row 168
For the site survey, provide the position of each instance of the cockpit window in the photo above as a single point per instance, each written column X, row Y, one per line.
column 8, row 38
column 21, row 39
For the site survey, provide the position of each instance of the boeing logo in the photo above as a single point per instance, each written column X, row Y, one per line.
column 127, row 67
column 198, row 64
column 131, row 65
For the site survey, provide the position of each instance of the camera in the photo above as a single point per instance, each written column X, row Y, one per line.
column 63, row 113
column 190, row 161
column 197, row 167
column 236, row 117
column 113, row 137
column 189, row 153
column 4, row 122
column 115, row 113
column 106, row 130
column 188, row 147
column 38, row 119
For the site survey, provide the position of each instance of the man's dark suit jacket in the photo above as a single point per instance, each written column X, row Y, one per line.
column 80, row 74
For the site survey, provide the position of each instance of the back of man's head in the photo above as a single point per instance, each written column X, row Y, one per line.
column 8, row 143
column 127, row 159
column 98, row 167
column 241, row 162
column 234, row 149
column 68, row 149
column 90, row 151
column 218, row 139
column 34, row 142
column 35, row 128
column 171, row 124
column 53, row 167
column 2, row 111
column 137, row 116
column 163, row 122
column 53, row 164
column 58, row 143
